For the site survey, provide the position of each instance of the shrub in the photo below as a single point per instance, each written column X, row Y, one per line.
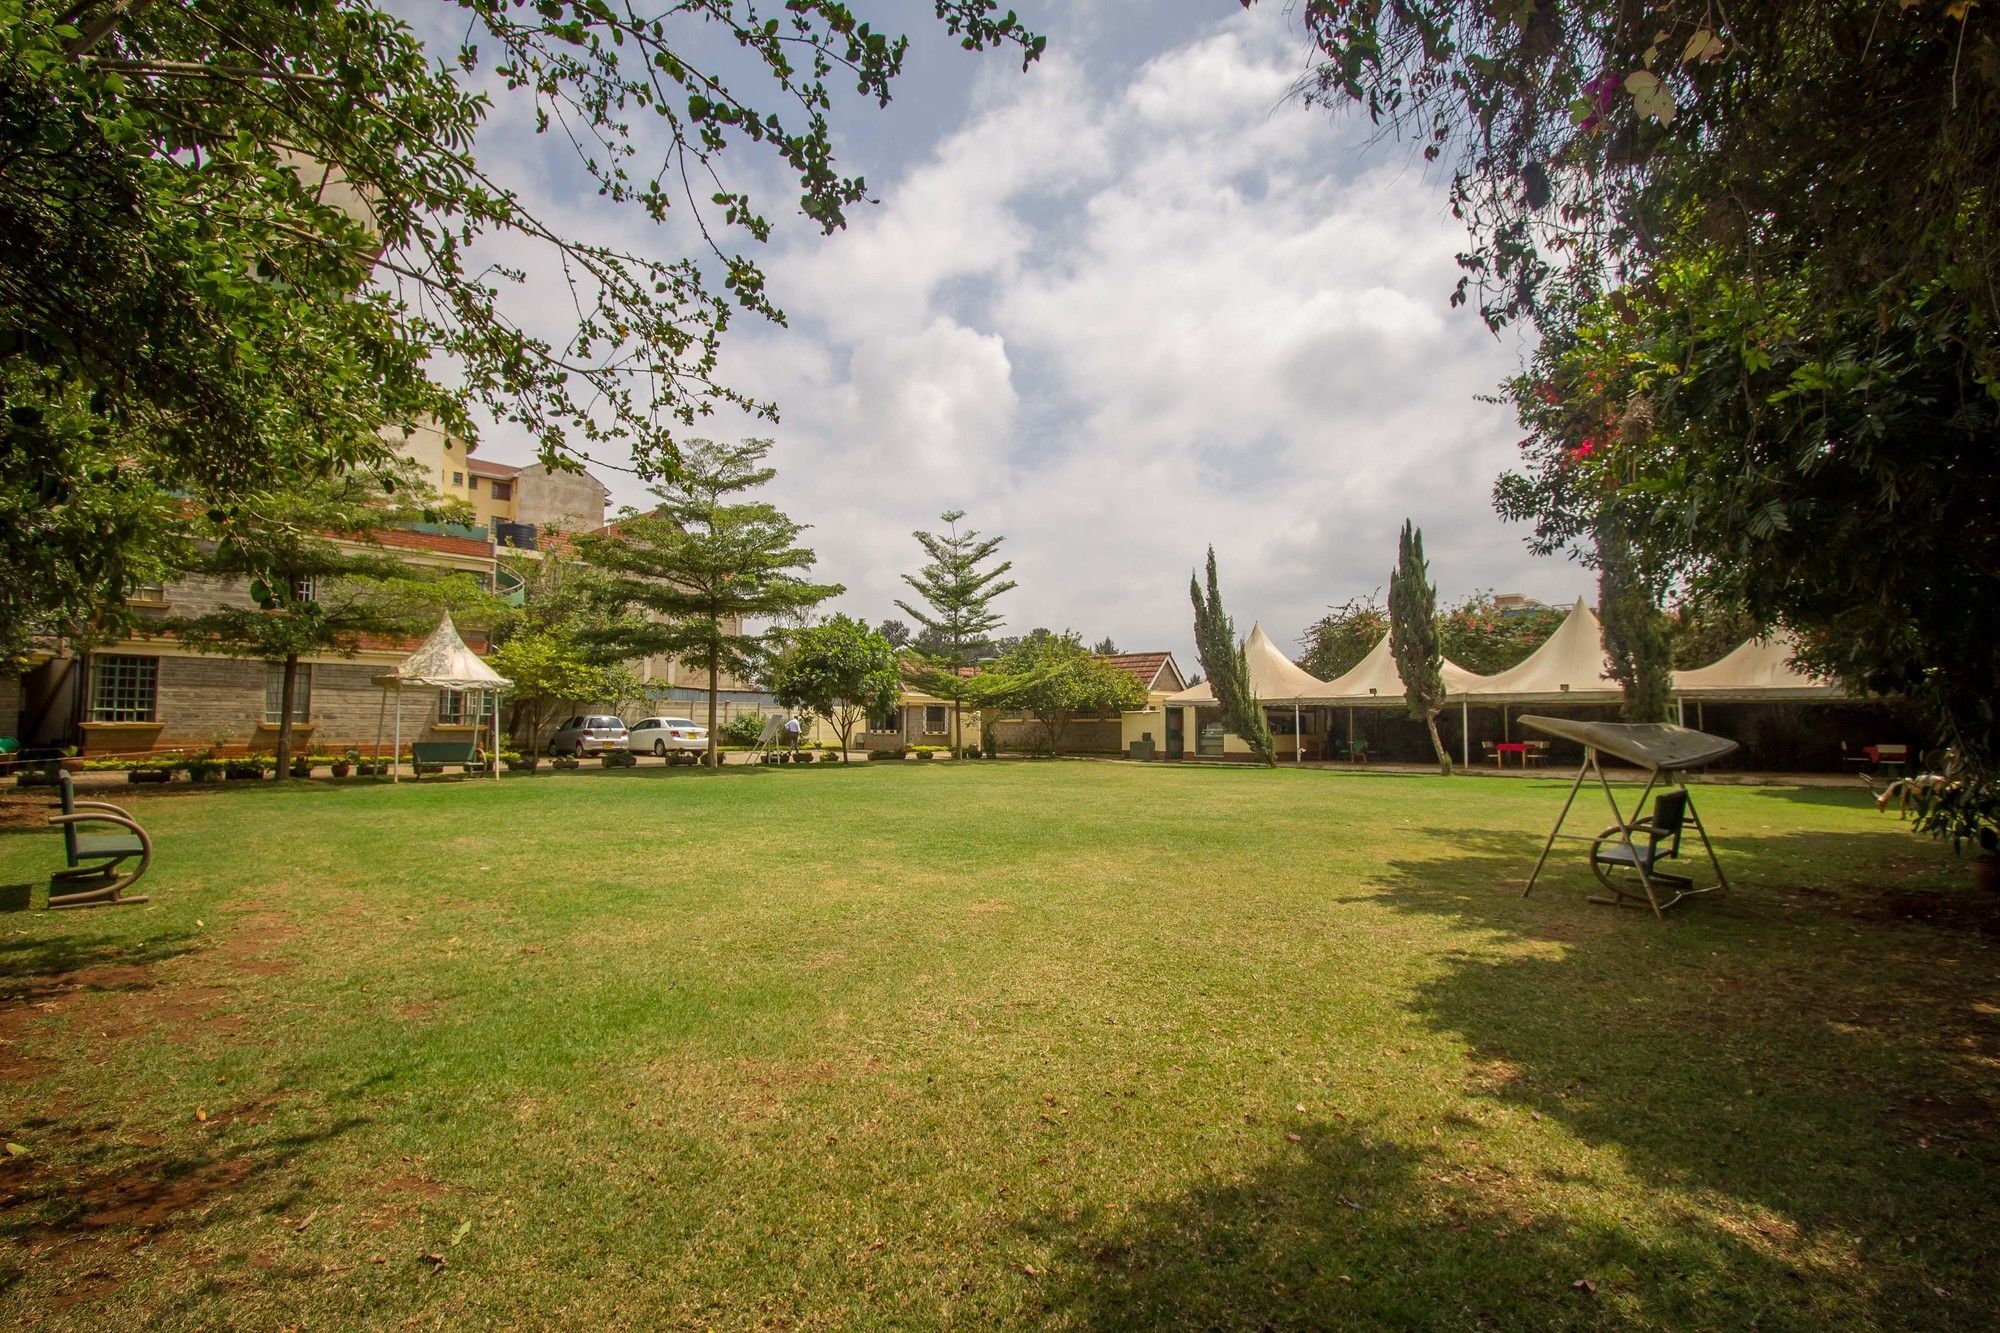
column 895, row 752
column 619, row 759
column 743, row 729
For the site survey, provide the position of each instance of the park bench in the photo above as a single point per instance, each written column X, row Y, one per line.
column 92, row 877
column 432, row 756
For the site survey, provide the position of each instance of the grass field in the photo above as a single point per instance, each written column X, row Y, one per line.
column 1067, row 1044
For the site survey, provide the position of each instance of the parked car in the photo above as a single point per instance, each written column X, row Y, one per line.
column 667, row 735
column 593, row 734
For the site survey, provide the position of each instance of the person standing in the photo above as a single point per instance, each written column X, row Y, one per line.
column 792, row 733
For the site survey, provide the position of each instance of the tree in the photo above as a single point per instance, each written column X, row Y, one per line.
column 1759, row 243
column 1477, row 636
column 957, row 588
column 319, row 581
column 551, row 671
column 840, row 670
column 558, row 644
column 1053, row 678
column 1413, row 637
column 895, row 631
column 1106, row 647
column 217, row 215
column 697, row 566
column 1335, row 643
column 1635, row 633
column 1221, row 654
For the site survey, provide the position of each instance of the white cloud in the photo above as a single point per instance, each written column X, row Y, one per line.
column 1119, row 317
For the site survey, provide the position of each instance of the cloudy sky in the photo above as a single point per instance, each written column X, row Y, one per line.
column 1127, row 304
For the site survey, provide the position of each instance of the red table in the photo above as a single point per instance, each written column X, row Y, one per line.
column 1505, row 748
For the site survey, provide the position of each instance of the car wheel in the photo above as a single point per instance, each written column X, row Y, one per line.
column 660, row 749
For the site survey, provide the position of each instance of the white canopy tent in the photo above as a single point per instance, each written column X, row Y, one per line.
column 441, row 662
column 1756, row 670
column 1569, row 667
column 1274, row 679
column 1374, row 682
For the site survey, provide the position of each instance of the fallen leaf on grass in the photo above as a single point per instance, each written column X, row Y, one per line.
column 201, row 1114
column 459, row 1235
column 16, row 1150
column 436, row 1261
column 305, row 1221
column 1029, row 1269
column 1295, row 1138
column 1584, row 1285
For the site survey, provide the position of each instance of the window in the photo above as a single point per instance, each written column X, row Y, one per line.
column 148, row 593
column 274, row 686
column 934, row 719
column 890, row 721
column 124, row 689
column 305, row 589
column 473, row 485
column 458, row 479
column 503, row 490
column 462, row 706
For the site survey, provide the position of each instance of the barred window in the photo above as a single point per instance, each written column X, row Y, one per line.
column 305, row 588
column 457, row 707
column 274, row 686
column 934, row 719
column 889, row 721
column 503, row 490
column 124, row 689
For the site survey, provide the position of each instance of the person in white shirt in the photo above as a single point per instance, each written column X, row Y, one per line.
column 792, row 733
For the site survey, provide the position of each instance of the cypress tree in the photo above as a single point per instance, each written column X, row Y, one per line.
column 1413, row 637
column 1228, row 670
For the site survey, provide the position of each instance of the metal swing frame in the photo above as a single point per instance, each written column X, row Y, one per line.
column 1666, row 752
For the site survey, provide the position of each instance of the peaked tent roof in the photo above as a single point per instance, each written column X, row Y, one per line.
column 1375, row 680
column 1274, row 678
column 1569, row 667
column 1756, row 669
column 444, row 662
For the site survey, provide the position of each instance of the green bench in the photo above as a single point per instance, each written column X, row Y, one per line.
column 93, row 877
column 432, row 756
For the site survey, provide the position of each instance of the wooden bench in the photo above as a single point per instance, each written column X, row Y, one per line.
column 92, row 877
column 432, row 756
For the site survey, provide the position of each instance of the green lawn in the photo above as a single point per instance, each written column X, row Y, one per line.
column 1071, row 1044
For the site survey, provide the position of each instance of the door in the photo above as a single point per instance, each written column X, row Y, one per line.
column 1176, row 739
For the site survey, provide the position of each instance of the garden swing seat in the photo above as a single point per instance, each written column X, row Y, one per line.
column 93, row 877
column 1619, row 848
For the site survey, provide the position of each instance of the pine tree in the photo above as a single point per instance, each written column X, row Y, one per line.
column 1221, row 654
column 699, row 564
column 959, row 595
column 1413, row 637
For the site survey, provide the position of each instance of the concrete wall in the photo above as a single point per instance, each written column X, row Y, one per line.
column 573, row 501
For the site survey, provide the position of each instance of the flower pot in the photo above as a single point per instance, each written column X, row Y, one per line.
column 148, row 775
column 339, row 768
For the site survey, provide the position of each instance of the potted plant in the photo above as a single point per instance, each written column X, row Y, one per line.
column 248, row 768
column 217, row 744
column 150, row 770
column 201, row 769
column 302, row 765
column 565, row 761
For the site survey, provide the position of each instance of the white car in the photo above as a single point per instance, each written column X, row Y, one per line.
column 666, row 736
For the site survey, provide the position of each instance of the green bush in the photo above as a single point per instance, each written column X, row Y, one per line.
column 895, row 752
column 743, row 729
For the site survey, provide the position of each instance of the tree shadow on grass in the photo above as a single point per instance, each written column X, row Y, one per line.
column 1792, row 1105
column 1345, row 1229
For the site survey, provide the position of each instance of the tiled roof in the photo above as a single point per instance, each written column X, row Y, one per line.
column 1142, row 667
column 486, row 469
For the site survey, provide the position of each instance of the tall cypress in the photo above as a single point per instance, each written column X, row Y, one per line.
column 1413, row 637
column 1221, row 654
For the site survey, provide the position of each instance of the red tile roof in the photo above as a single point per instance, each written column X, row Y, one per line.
column 1143, row 667
column 486, row 469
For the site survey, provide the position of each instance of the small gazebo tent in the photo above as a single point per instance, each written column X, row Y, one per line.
column 441, row 662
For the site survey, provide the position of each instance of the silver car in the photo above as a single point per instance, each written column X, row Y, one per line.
column 591, row 734
column 667, row 735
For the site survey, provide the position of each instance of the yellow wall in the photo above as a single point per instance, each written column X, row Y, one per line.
column 479, row 490
column 441, row 458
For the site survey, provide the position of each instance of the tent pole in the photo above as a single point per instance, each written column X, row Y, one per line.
column 1298, row 741
column 1465, row 732
column 396, row 759
column 496, row 735
column 1681, row 711
column 381, row 721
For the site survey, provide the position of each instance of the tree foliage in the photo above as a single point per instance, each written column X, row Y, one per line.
column 1222, row 658
column 1636, row 647
column 1478, row 636
column 552, row 671
column 1053, row 677
column 1760, row 244
column 558, row 645
column 840, row 670
column 1334, row 644
column 957, row 585
column 701, row 563
column 236, row 241
column 1413, row 636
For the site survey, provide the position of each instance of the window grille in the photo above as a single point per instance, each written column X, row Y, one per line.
column 934, row 719
column 274, row 687
column 124, row 689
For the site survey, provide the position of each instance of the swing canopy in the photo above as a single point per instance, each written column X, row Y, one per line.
column 1657, row 747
